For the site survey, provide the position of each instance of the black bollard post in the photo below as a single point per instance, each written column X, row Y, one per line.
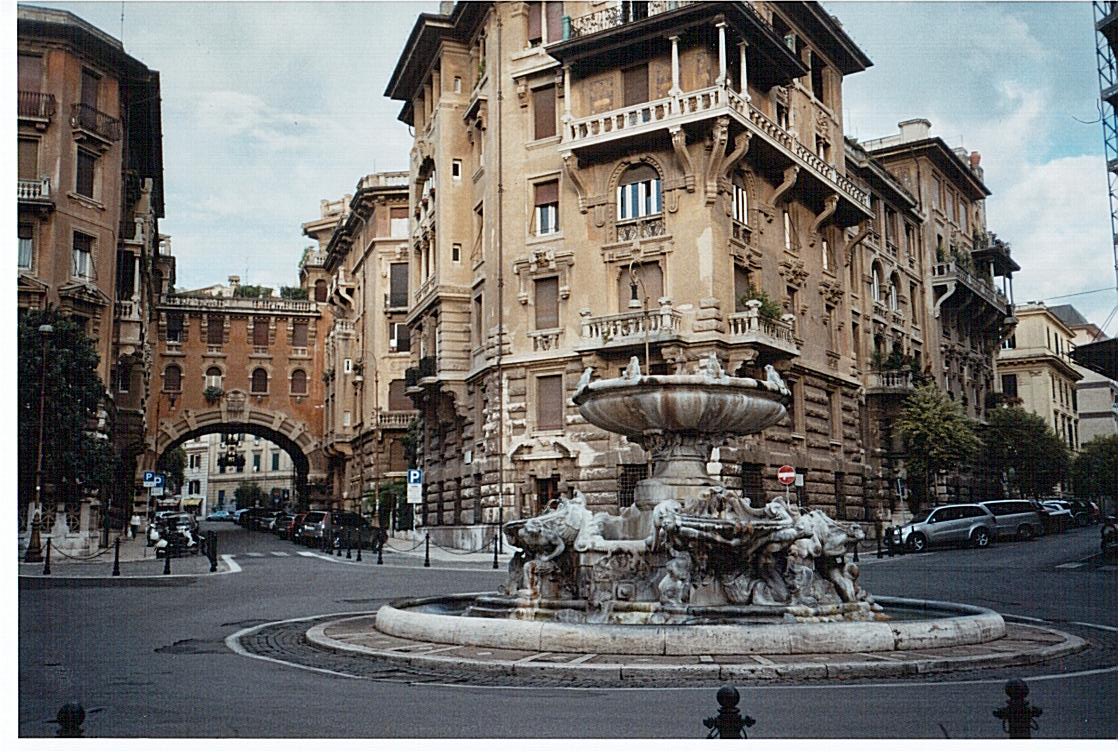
column 380, row 548
column 167, row 560
column 212, row 549
column 117, row 557
column 427, row 555
column 495, row 552
column 855, row 548
column 728, row 723
column 47, row 560
column 349, row 532
column 336, row 543
column 69, row 719
column 359, row 556
column 1018, row 715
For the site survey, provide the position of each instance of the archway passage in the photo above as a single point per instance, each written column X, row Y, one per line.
column 290, row 435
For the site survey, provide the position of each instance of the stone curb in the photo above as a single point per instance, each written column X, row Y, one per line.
column 869, row 669
column 41, row 581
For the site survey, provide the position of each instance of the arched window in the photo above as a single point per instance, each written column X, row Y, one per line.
column 892, row 295
column 321, row 291
column 299, row 381
column 739, row 203
column 173, row 379
column 259, row 382
column 214, row 377
column 876, row 284
column 639, row 192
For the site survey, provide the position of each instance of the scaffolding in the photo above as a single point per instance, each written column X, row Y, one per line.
column 1104, row 12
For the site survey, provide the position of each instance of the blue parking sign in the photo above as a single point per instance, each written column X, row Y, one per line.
column 415, row 476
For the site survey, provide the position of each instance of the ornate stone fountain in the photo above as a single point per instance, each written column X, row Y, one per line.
column 688, row 551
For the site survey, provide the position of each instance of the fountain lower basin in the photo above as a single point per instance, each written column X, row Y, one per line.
column 908, row 624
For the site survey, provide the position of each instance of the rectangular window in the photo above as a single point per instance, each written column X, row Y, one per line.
column 256, row 462
column 126, row 276
column 456, row 252
column 398, row 399
column 87, row 167
column 937, row 188
column 174, row 327
column 477, row 335
column 398, row 221
column 260, row 332
column 546, row 198
column 30, row 72
column 91, row 84
column 82, row 260
column 398, row 285
column 299, row 334
column 347, row 365
column 639, row 199
column 642, row 289
column 743, row 287
column 346, row 418
column 28, row 159
column 554, row 13
column 830, row 325
column 739, row 204
column 534, row 28
column 550, row 403
column 751, row 475
column 787, row 231
column 546, row 302
column 398, row 338
column 26, row 245
column 816, row 67
column 544, row 112
column 215, row 330
column 635, row 85
column 221, row 497
column 275, row 461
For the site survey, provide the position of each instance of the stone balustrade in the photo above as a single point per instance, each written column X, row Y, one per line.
column 272, row 305
column 395, row 418
column 750, row 326
column 34, row 190
column 661, row 321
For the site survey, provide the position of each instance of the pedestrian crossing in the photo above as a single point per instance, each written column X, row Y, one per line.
column 282, row 554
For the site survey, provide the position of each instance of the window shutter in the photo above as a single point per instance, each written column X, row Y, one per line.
column 547, row 193
column 635, row 85
column 299, row 334
column 28, row 159
column 172, row 379
column 91, row 82
column 544, row 112
column 398, row 285
column 30, row 72
column 398, row 400
column 214, row 333
column 555, row 12
column 299, row 382
column 550, row 402
column 84, row 182
column 546, row 301
column 260, row 332
column 259, row 381
column 534, row 22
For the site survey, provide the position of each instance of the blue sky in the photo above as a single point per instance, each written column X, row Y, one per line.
column 269, row 107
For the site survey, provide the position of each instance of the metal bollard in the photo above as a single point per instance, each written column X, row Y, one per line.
column 212, row 549
column 117, row 558
column 69, row 719
column 380, row 548
column 728, row 723
column 349, row 532
column 167, row 560
column 427, row 555
column 47, row 560
column 495, row 552
column 359, row 556
column 336, row 543
column 1018, row 715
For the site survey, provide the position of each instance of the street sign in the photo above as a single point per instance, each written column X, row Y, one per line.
column 415, row 480
column 799, row 480
column 415, row 476
column 786, row 475
column 159, row 480
column 157, row 490
column 149, row 478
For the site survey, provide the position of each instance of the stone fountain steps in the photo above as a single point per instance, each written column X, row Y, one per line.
column 1022, row 645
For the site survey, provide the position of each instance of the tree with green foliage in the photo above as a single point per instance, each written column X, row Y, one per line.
column 254, row 291
column 1094, row 471
column 1021, row 447
column 293, row 293
column 938, row 436
column 249, row 494
column 173, row 464
column 77, row 460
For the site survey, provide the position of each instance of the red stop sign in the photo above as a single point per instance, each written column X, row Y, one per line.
column 786, row 475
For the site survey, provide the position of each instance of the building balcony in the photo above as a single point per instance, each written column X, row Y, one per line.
column 35, row 192
column 95, row 125
column 749, row 328
column 956, row 285
column 249, row 305
column 546, row 339
column 632, row 328
column 613, row 129
column 36, row 107
column 613, row 18
column 890, row 383
column 394, row 419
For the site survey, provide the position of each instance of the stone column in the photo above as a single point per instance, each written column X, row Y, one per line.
column 722, row 26
column 675, row 89
column 567, row 116
column 744, row 91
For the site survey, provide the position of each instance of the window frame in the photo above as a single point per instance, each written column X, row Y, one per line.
column 253, row 381
column 86, row 274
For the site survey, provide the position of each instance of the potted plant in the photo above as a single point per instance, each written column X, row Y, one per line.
column 767, row 308
column 212, row 393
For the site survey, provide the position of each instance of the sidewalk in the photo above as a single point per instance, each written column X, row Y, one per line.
column 398, row 544
column 136, row 560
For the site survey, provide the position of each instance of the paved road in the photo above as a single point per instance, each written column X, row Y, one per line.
column 154, row 657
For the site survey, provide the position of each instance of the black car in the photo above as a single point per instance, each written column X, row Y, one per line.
column 351, row 527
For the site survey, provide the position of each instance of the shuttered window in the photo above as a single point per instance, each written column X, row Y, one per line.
column 635, row 85
column 649, row 282
column 546, row 199
column 214, row 330
column 91, row 82
column 398, row 285
column 534, row 26
column 260, row 332
column 172, row 379
column 299, row 381
column 544, row 112
column 398, row 400
column 554, row 13
column 299, row 334
column 546, row 301
column 28, row 159
column 259, row 382
column 30, row 72
column 550, row 403
column 398, row 221
column 87, row 166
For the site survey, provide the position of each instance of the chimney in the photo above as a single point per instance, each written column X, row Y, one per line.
column 916, row 129
column 234, row 281
column 445, row 7
column 974, row 160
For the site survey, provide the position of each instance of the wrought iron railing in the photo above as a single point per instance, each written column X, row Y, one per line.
column 34, row 104
column 949, row 269
column 610, row 18
column 95, row 121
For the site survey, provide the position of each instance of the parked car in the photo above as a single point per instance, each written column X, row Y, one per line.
column 180, row 531
column 350, row 527
column 294, row 525
column 960, row 524
column 1060, row 517
column 264, row 520
column 1015, row 517
column 314, row 527
column 1084, row 512
column 220, row 515
column 1108, row 539
column 279, row 524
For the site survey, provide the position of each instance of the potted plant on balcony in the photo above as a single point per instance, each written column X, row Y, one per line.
column 767, row 308
column 212, row 394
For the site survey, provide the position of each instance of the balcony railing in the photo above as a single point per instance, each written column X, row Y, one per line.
column 34, row 190
column 948, row 271
column 892, row 382
column 395, row 418
column 96, row 122
column 704, row 104
column 610, row 18
column 637, row 229
column 277, row 305
column 749, row 326
column 546, row 339
column 635, row 324
column 36, row 106
column 384, row 180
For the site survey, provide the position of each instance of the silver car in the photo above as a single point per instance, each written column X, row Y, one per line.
column 1015, row 517
column 958, row 524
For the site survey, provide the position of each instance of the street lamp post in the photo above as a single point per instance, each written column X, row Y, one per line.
column 636, row 281
column 34, row 545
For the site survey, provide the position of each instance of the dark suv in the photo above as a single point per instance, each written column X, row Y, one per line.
column 352, row 524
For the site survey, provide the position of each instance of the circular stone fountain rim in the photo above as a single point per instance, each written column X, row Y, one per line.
column 723, row 384
column 971, row 625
